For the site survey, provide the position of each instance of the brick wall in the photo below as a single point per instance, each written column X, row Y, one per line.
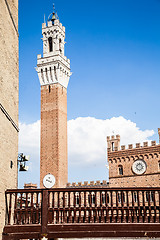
column 53, row 157
column 126, row 158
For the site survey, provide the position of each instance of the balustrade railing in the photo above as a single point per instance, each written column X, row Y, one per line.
column 83, row 205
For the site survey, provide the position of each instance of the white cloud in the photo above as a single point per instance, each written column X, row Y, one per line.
column 86, row 142
column 87, row 137
column 29, row 137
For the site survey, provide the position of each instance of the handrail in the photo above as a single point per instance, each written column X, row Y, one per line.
column 75, row 189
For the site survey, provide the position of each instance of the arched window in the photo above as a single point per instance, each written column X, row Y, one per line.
column 149, row 195
column 91, row 198
column 77, row 198
column 120, row 170
column 103, row 198
column 50, row 44
column 120, row 196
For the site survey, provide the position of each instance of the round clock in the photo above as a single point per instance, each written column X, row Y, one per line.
column 49, row 181
column 139, row 167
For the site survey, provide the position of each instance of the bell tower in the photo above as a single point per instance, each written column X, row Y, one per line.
column 53, row 70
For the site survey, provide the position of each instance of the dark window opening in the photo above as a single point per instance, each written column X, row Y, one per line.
column 103, row 198
column 112, row 146
column 120, row 196
column 91, row 198
column 120, row 168
column 149, row 195
column 42, row 75
column 50, row 44
column 60, row 47
column 135, row 197
column 77, row 199
column 49, row 88
column 107, row 197
column 11, row 164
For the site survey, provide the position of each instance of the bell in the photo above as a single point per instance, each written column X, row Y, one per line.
column 53, row 17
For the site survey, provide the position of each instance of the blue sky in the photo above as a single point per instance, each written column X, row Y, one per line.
column 114, row 48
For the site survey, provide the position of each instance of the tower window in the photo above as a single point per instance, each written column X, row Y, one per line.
column 60, row 47
column 49, row 88
column 50, row 44
column 112, row 146
column 120, row 170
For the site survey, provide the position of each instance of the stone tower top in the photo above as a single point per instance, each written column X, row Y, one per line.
column 113, row 143
column 53, row 67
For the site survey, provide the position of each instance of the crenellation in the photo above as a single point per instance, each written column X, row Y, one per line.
column 123, row 147
column 118, row 137
column 138, row 145
column 85, row 183
column 49, row 24
column 97, row 183
column 153, row 143
column 117, row 147
column 109, row 149
column 130, row 146
column 91, row 182
column 145, row 144
column 38, row 56
column 43, row 25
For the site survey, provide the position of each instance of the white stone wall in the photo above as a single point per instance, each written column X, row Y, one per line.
column 8, row 99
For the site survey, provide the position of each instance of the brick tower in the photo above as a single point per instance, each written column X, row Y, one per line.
column 54, row 72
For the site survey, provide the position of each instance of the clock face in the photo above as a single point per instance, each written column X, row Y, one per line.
column 139, row 167
column 49, row 181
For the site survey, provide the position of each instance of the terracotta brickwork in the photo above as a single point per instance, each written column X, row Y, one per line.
column 54, row 133
column 121, row 160
column 8, row 100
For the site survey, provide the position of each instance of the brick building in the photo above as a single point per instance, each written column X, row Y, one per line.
column 8, row 100
column 54, row 72
column 133, row 167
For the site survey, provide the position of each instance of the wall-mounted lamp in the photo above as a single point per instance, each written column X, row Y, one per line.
column 22, row 159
